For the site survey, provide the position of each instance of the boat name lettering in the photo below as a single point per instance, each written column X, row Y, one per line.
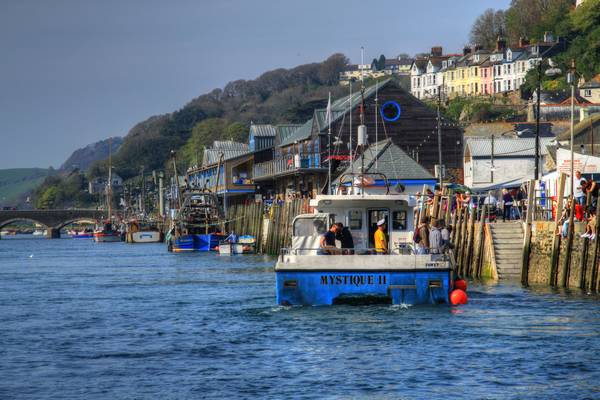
column 356, row 280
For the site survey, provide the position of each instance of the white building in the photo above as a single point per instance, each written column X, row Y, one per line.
column 489, row 162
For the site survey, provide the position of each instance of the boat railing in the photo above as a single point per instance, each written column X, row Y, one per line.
column 360, row 180
column 396, row 251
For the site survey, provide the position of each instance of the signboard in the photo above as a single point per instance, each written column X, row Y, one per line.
column 587, row 164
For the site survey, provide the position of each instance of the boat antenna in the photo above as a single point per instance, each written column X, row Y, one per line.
column 376, row 136
column 362, row 135
column 328, row 115
column 350, row 140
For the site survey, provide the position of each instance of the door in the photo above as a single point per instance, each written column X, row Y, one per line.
column 374, row 216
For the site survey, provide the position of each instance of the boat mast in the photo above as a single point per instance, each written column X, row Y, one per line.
column 109, row 186
column 177, row 191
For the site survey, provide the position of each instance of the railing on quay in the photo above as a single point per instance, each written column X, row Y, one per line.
column 285, row 164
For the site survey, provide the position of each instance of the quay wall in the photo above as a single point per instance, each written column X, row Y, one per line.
column 540, row 256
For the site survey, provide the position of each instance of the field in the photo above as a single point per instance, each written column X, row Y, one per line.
column 17, row 182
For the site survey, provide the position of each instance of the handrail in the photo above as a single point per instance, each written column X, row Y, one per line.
column 361, row 175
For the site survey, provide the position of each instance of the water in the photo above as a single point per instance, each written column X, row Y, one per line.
column 118, row 321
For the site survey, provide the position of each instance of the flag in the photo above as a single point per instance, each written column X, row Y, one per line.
column 328, row 112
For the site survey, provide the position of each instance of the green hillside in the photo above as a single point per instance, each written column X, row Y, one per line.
column 15, row 183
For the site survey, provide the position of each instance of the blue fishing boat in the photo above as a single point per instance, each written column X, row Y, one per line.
column 308, row 274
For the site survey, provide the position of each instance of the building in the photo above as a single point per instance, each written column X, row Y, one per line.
column 398, row 168
column 98, row 184
column 590, row 90
column 491, row 161
column 478, row 71
column 226, row 170
column 299, row 163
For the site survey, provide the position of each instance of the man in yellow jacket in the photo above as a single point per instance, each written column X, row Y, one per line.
column 381, row 245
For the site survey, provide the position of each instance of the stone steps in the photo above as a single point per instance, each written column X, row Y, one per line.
column 508, row 245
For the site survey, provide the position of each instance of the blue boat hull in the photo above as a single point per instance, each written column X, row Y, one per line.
column 194, row 242
column 397, row 287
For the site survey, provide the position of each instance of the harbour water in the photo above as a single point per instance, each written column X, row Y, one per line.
column 85, row 320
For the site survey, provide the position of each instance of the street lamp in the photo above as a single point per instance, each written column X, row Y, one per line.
column 439, row 132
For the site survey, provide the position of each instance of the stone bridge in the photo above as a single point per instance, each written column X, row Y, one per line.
column 53, row 220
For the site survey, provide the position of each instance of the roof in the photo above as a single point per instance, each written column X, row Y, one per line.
column 582, row 127
column 262, row 130
column 592, row 83
column 301, row 133
column 284, row 131
column 392, row 161
column 228, row 148
column 405, row 61
column 481, row 147
column 341, row 106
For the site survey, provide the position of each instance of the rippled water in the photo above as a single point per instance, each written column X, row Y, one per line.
column 118, row 321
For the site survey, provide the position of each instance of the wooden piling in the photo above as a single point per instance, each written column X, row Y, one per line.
column 584, row 253
column 566, row 267
column 556, row 239
column 470, row 244
column 527, row 237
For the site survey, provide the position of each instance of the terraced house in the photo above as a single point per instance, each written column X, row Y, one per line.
column 480, row 72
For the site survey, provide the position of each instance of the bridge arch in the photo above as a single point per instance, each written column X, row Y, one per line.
column 18, row 219
column 82, row 219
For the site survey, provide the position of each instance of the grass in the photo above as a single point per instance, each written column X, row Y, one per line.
column 17, row 182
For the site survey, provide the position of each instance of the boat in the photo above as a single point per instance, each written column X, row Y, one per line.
column 83, row 234
column 308, row 276
column 143, row 232
column 39, row 232
column 108, row 233
column 198, row 219
column 245, row 244
column 196, row 227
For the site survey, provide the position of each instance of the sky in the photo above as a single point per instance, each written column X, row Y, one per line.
column 73, row 72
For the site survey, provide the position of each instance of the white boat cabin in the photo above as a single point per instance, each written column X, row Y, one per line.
column 360, row 213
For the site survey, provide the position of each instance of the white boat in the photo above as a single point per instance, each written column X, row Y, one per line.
column 144, row 237
column 39, row 232
column 307, row 275
column 245, row 244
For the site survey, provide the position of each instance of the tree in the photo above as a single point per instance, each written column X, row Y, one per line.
column 381, row 63
column 487, row 27
column 375, row 65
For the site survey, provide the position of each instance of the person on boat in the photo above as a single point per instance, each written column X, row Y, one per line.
column 381, row 245
column 445, row 231
column 421, row 236
column 345, row 237
column 327, row 243
column 435, row 238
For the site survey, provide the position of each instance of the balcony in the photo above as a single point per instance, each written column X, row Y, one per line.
column 287, row 166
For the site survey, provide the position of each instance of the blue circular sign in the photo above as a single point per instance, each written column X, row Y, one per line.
column 390, row 106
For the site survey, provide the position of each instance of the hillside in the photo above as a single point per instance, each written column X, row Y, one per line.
column 16, row 183
column 84, row 157
column 281, row 95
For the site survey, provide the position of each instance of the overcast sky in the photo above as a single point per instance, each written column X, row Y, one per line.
column 74, row 72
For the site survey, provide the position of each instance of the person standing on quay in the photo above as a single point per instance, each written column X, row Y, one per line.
column 508, row 202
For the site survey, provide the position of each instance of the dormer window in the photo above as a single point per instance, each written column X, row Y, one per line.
column 444, row 64
column 509, row 55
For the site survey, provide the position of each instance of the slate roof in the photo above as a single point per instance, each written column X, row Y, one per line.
column 302, row 133
column 592, row 83
column 284, row 131
column 481, row 147
column 265, row 130
column 582, row 127
column 228, row 148
column 391, row 161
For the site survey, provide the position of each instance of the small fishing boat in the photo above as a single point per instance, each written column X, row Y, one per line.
column 107, row 234
column 143, row 232
column 244, row 244
column 308, row 275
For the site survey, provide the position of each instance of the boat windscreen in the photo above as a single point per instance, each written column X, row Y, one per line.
column 310, row 226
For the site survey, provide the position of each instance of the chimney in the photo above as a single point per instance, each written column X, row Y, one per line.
column 548, row 37
column 523, row 41
column 478, row 47
column 466, row 50
column 500, row 44
column 436, row 51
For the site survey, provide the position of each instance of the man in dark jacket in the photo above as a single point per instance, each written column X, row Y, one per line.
column 345, row 237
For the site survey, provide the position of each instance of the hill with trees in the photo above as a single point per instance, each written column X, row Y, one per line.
column 84, row 157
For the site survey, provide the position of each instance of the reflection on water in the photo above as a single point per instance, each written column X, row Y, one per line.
column 87, row 320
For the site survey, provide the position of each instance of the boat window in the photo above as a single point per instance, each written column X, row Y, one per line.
column 312, row 226
column 399, row 220
column 355, row 219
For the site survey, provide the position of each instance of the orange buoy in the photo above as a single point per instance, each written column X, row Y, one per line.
column 460, row 284
column 457, row 297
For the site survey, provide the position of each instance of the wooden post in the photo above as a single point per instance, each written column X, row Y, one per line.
column 527, row 238
column 584, row 252
column 480, row 248
column 557, row 235
column 470, row 244
column 564, row 282
column 457, row 236
column 595, row 278
column 448, row 212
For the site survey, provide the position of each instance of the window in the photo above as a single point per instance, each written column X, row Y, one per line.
column 587, row 92
column 355, row 219
column 310, row 226
column 399, row 220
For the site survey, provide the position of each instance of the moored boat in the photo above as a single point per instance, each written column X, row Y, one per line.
column 143, row 232
column 107, row 234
